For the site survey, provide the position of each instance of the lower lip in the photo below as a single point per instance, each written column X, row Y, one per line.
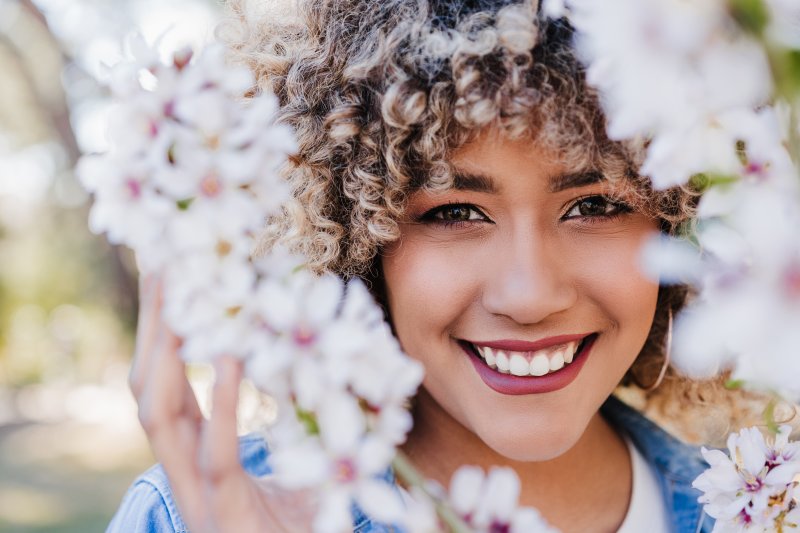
column 518, row 385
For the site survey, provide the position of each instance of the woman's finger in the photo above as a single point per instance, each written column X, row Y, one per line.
column 230, row 489
column 220, row 440
column 171, row 418
column 163, row 399
column 150, row 291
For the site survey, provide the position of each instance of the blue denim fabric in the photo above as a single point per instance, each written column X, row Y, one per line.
column 149, row 507
column 676, row 465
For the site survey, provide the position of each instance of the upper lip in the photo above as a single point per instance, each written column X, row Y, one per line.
column 515, row 345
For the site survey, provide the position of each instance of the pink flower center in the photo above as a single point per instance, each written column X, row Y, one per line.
column 169, row 109
column 210, row 186
column 754, row 168
column 792, row 281
column 303, row 336
column 181, row 59
column 134, row 188
column 498, row 527
column 345, row 471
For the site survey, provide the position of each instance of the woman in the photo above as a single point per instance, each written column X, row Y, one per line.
column 452, row 156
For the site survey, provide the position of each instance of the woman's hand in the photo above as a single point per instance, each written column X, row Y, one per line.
column 201, row 457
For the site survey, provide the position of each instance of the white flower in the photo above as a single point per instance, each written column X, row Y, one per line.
column 753, row 486
column 671, row 260
column 709, row 145
column 127, row 207
column 301, row 305
column 667, row 62
column 489, row 503
column 420, row 515
column 672, row 71
column 748, row 307
column 784, row 22
column 554, row 8
column 345, row 463
column 208, row 303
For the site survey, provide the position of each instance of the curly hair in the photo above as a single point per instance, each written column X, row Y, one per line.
column 380, row 94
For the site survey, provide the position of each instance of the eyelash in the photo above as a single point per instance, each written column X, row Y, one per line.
column 620, row 208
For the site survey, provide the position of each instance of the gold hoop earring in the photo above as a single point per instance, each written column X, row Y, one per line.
column 667, row 353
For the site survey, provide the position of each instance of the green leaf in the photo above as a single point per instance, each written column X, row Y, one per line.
column 183, row 205
column 705, row 180
column 751, row 15
column 734, row 384
column 308, row 420
column 791, row 76
column 785, row 65
column 769, row 417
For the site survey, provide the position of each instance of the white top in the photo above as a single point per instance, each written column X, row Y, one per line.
column 646, row 511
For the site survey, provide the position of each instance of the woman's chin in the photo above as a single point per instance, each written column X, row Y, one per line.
column 533, row 443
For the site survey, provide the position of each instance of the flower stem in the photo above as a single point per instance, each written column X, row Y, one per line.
column 794, row 134
column 769, row 417
column 787, row 88
column 406, row 472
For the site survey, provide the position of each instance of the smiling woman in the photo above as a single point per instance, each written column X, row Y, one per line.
column 452, row 155
column 514, row 275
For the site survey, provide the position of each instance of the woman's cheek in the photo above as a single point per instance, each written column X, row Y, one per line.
column 426, row 283
column 608, row 272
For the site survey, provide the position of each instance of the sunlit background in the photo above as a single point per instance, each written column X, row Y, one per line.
column 69, row 439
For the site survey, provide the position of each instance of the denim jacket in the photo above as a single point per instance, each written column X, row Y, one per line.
column 149, row 506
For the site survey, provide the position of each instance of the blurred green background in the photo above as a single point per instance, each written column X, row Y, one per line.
column 70, row 443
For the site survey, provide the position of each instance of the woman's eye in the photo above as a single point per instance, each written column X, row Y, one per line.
column 453, row 213
column 596, row 206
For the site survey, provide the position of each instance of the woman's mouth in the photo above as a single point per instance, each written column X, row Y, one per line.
column 538, row 363
column 516, row 367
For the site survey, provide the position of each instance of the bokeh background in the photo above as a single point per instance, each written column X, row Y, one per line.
column 70, row 443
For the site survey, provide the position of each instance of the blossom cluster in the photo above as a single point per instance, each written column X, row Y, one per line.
column 702, row 83
column 675, row 73
column 488, row 502
column 754, row 487
column 191, row 178
column 709, row 87
column 477, row 502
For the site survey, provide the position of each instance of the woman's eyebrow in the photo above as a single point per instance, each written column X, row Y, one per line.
column 561, row 182
column 469, row 181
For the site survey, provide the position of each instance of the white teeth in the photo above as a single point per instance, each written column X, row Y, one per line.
column 557, row 362
column 540, row 365
column 502, row 362
column 569, row 352
column 491, row 360
column 518, row 365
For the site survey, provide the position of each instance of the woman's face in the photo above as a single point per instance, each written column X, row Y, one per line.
column 495, row 285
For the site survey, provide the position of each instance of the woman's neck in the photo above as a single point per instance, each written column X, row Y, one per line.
column 585, row 489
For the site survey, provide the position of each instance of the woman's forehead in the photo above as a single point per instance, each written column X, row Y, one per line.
column 476, row 164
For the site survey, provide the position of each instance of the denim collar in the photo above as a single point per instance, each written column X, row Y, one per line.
column 676, row 465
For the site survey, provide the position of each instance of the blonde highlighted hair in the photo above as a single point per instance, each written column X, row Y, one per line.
column 381, row 93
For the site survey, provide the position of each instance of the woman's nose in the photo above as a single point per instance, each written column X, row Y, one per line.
column 529, row 281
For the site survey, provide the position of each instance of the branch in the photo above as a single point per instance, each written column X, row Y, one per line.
column 59, row 114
